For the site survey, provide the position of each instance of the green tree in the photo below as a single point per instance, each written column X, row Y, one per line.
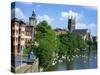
column 70, row 43
column 92, row 44
column 26, row 50
column 31, row 45
column 47, row 40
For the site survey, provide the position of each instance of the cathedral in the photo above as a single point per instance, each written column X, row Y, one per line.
column 84, row 33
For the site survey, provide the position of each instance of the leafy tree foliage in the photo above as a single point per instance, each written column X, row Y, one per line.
column 70, row 43
column 46, row 38
column 26, row 50
column 92, row 44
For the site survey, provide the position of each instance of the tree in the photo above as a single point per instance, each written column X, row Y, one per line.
column 31, row 45
column 47, row 40
column 92, row 44
column 70, row 43
column 26, row 50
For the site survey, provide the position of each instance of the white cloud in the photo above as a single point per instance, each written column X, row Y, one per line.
column 81, row 26
column 17, row 12
column 65, row 15
column 45, row 17
column 91, row 27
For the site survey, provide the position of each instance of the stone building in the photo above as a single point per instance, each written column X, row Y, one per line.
column 21, row 33
column 84, row 33
column 59, row 31
column 71, row 23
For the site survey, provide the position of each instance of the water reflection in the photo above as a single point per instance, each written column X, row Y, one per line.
column 87, row 60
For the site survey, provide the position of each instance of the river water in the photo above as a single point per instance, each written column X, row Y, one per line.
column 88, row 61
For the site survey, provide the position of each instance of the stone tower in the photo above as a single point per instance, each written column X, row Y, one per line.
column 71, row 23
column 32, row 23
column 32, row 19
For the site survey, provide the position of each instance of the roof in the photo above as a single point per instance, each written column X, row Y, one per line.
column 22, row 22
column 80, row 31
column 59, row 29
column 17, row 20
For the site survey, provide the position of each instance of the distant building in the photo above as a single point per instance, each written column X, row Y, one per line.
column 21, row 33
column 30, row 29
column 71, row 23
column 59, row 31
column 32, row 23
column 84, row 33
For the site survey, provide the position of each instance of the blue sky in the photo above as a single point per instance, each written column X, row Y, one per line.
column 57, row 14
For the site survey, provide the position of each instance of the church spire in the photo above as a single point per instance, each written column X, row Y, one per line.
column 33, row 13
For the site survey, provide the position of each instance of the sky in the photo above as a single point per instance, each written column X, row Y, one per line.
column 57, row 14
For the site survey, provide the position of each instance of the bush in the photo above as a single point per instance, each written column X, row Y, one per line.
column 26, row 50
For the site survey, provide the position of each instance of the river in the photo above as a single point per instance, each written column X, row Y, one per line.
column 88, row 61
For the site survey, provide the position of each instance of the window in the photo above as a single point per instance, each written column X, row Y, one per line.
column 16, row 31
column 22, row 38
column 13, row 32
column 16, row 39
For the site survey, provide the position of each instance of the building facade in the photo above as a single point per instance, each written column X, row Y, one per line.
column 14, row 36
column 28, row 33
column 84, row 33
column 59, row 31
column 21, row 33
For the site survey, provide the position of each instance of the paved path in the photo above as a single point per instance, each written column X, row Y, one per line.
column 28, row 68
column 23, row 69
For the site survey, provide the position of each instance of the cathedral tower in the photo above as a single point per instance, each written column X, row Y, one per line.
column 71, row 23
